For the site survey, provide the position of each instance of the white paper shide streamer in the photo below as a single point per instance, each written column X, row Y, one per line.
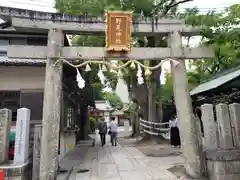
column 107, row 87
column 122, row 90
column 139, row 76
column 80, row 80
column 101, row 76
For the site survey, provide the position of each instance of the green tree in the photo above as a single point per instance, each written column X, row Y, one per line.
column 113, row 99
column 167, row 90
column 96, row 7
column 96, row 84
column 221, row 31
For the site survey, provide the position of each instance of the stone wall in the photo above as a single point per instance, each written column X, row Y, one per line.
column 20, row 168
column 26, row 163
column 5, row 126
column 222, row 140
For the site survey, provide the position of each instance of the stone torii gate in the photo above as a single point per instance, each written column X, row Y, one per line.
column 59, row 24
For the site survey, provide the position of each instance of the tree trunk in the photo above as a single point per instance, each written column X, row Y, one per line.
column 153, row 109
column 135, row 124
column 152, row 89
column 159, row 111
column 146, row 95
column 151, row 115
column 145, row 111
column 139, row 94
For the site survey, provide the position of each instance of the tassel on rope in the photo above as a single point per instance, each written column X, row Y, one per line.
column 132, row 66
column 147, row 72
column 104, row 68
column 88, row 68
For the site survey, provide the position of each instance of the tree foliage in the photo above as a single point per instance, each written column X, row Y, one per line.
column 113, row 99
column 98, row 7
column 167, row 90
column 222, row 32
column 96, row 84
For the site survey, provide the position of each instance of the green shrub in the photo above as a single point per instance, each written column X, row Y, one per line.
column 93, row 123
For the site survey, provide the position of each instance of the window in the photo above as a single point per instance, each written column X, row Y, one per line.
column 34, row 102
column 3, row 48
column 10, row 100
column 70, row 117
column 37, row 41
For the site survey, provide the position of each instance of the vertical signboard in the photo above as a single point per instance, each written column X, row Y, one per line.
column 118, row 31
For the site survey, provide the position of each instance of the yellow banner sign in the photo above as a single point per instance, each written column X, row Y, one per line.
column 118, row 30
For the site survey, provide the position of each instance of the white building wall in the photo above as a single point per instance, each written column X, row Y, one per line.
column 13, row 78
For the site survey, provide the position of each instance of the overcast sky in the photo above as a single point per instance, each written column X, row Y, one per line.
column 48, row 6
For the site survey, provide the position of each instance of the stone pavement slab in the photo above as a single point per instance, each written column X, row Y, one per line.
column 116, row 163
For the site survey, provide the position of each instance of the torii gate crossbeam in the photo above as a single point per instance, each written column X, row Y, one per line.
column 27, row 20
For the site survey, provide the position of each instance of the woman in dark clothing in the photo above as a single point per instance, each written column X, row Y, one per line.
column 102, row 127
column 174, row 133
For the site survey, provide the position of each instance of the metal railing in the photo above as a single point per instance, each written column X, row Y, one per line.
column 154, row 128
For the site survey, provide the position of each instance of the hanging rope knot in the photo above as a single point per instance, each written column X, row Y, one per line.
column 174, row 62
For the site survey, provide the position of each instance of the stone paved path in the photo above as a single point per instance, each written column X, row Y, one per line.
column 118, row 163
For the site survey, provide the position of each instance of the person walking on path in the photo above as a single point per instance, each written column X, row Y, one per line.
column 113, row 129
column 174, row 133
column 102, row 127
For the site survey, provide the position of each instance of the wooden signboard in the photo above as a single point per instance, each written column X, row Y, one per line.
column 118, row 31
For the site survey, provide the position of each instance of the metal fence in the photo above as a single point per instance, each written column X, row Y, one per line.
column 154, row 128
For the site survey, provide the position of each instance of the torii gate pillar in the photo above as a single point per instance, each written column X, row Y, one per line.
column 51, row 107
column 188, row 127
